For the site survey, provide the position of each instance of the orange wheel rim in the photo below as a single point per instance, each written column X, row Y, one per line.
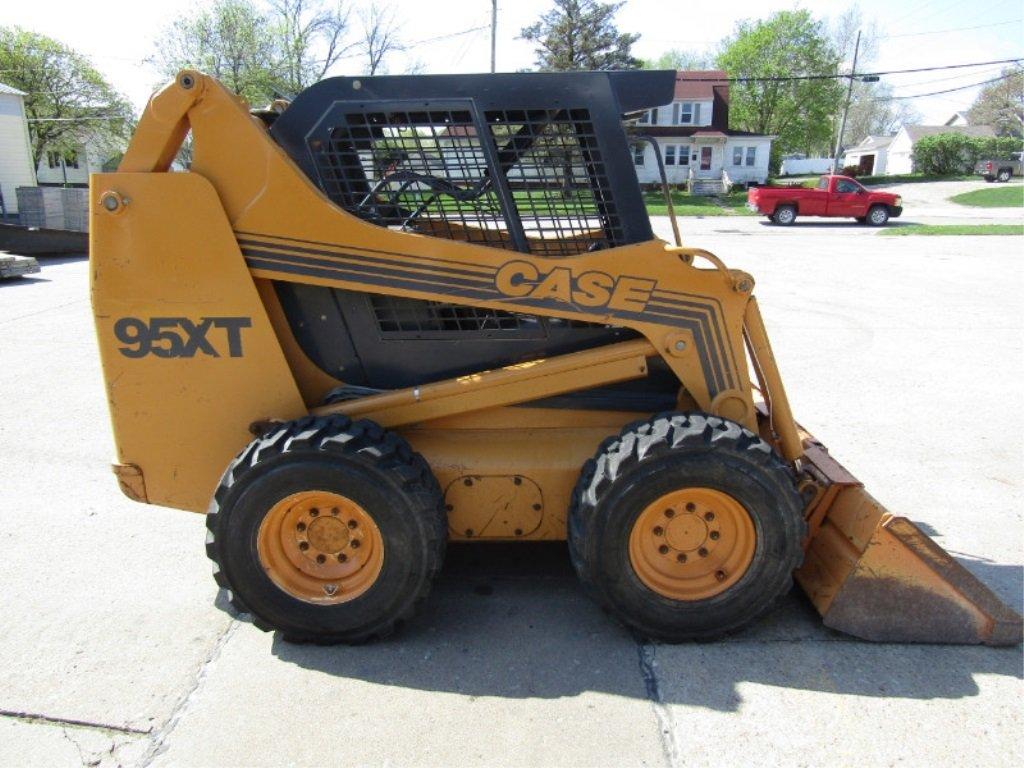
column 320, row 547
column 692, row 544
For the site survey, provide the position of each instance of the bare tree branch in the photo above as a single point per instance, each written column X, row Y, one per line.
column 380, row 36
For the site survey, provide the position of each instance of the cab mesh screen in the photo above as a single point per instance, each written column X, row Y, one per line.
column 534, row 181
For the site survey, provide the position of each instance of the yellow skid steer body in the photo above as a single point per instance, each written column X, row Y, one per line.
column 197, row 354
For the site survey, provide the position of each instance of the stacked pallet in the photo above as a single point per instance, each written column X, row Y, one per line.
column 41, row 207
column 75, row 202
column 54, row 208
column 17, row 266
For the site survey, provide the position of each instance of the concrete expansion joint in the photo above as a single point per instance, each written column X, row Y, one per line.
column 158, row 738
column 64, row 722
column 662, row 714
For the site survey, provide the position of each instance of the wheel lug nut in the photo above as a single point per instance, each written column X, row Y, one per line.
column 690, row 507
column 303, row 545
column 720, row 575
column 342, row 557
column 314, row 512
column 663, row 549
column 702, row 552
column 352, row 523
column 681, row 558
column 709, row 516
column 714, row 535
column 670, row 513
column 321, row 559
column 658, row 530
column 300, row 527
column 355, row 544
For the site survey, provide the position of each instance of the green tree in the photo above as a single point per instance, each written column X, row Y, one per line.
column 231, row 40
column 1001, row 104
column 581, row 34
column 949, row 153
column 68, row 103
column 799, row 112
column 679, row 59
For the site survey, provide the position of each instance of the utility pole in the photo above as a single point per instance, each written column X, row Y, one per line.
column 846, row 108
column 494, row 35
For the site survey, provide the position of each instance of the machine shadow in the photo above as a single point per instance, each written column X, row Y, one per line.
column 512, row 621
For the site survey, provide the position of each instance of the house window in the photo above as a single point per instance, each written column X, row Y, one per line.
column 650, row 117
column 70, row 159
column 684, row 155
column 638, row 154
column 737, row 155
column 686, row 113
column 751, row 155
column 670, row 155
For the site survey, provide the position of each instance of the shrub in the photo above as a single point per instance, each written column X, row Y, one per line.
column 851, row 170
column 950, row 153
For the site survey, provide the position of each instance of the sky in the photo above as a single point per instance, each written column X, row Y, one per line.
column 453, row 36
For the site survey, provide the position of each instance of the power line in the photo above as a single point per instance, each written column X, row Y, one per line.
column 947, row 90
column 73, row 119
column 953, row 29
column 838, row 76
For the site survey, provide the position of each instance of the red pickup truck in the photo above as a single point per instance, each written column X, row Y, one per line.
column 834, row 196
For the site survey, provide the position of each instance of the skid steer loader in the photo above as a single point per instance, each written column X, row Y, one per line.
column 405, row 311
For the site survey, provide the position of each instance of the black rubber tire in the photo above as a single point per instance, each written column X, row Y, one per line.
column 362, row 461
column 653, row 457
column 1004, row 175
column 878, row 216
column 781, row 215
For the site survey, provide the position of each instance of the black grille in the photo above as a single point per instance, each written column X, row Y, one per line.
column 403, row 317
column 518, row 179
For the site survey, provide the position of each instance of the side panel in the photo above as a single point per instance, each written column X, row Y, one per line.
column 189, row 355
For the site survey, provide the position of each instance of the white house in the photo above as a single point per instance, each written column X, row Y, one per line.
column 70, row 168
column 871, row 155
column 15, row 147
column 901, row 149
column 697, row 146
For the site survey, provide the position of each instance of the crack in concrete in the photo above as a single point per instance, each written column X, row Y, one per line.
column 35, row 717
column 76, row 745
column 158, row 738
column 662, row 714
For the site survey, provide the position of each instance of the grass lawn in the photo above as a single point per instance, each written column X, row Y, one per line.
column 992, row 197
column 954, row 229
column 733, row 204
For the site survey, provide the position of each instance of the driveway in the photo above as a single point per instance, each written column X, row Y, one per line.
column 900, row 353
column 928, row 203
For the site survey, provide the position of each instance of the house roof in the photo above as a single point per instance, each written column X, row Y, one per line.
column 9, row 91
column 916, row 132
column 701, row 84
column 873, row 142
column 684, row 131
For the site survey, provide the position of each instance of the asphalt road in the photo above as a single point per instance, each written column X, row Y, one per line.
column 901, row 354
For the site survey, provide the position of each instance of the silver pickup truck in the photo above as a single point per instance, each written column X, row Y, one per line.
column 1000, row 170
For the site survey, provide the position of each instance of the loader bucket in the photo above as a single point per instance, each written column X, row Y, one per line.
column 879, row 577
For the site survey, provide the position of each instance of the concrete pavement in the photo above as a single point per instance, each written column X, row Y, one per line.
column 900, row 353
